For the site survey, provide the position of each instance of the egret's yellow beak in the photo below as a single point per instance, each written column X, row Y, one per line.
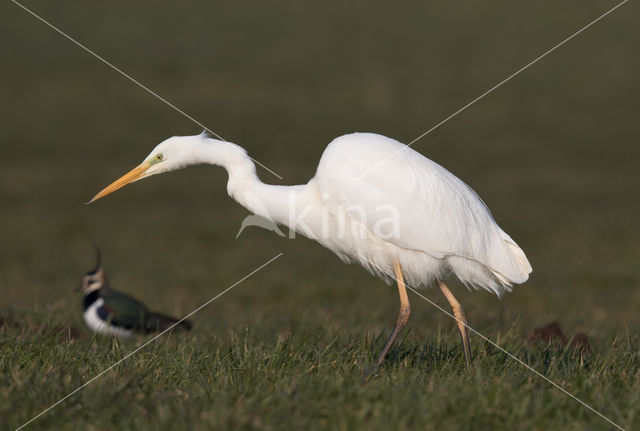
column 134, row 175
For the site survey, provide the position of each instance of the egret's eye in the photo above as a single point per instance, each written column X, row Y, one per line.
column 156, row 159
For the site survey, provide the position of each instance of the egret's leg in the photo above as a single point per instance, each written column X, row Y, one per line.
column 461, row 319
column 403, row 316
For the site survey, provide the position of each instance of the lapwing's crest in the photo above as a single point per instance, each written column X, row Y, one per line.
column 108, row 311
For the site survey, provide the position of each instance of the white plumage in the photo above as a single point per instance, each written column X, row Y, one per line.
column 443, row 224
column 375, row 201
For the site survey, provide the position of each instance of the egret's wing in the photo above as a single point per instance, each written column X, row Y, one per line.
column 428, row 207
column 410, row 201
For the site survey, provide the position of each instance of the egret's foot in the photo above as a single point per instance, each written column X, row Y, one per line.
column 461, row 320
column 466, row 346
column 403, row 318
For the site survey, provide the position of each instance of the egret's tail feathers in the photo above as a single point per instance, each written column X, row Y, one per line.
column 505, row 265
column 514, row 267
column 159, row 322
column 477, row 275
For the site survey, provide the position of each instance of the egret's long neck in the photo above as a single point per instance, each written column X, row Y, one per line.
column 282, row 204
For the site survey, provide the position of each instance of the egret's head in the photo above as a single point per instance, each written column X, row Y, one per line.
column 171, row 154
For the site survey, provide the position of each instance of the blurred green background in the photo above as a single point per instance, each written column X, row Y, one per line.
column 554, row 153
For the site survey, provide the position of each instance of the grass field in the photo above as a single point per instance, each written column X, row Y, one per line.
column 554, row 153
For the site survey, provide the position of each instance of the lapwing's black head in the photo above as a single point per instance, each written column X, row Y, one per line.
column 94, row 279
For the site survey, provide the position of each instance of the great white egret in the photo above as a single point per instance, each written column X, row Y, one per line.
column 374, row 201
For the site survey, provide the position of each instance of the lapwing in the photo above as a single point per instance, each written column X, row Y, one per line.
column 107, row 311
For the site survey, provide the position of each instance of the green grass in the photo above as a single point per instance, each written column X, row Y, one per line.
column 554, row 153
column 311, row 379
